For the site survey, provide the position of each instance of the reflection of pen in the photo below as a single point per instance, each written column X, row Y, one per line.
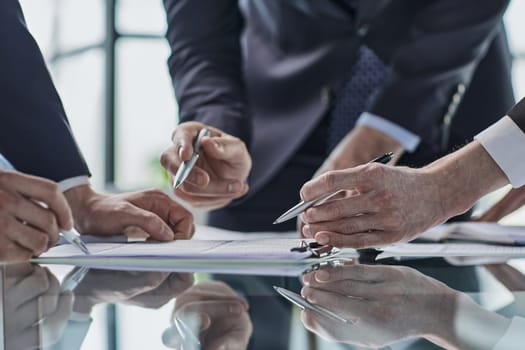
column 186, row 334
column 71, row 281
column 72, row 236
column 304, row 304
column 302, row 205
column 186, row 166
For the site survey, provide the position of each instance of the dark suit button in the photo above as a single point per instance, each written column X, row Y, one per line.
column 326, row 94
column 363, row 30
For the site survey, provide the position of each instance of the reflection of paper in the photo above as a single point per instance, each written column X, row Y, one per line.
column 261, row 249
column 449, row 249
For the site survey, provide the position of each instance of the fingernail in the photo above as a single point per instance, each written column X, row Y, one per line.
column 234, row 187
column 307, row 278
column 218, row 146
column 306, row 231
column 166, row 233
column 235, row 309
column 322, row 276
column 197, row 178
column 321, row 238
column 180, row 151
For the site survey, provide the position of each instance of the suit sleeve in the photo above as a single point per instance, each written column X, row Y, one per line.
column 206, row 63
column 440, row 53
column 34, row 132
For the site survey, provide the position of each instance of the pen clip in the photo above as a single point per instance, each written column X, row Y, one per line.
column 197, row 143
column 317, row 250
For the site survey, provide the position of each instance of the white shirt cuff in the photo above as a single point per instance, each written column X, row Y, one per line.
column 68, row 184
column 406, row 138
column 513, row 337
column 504, row 141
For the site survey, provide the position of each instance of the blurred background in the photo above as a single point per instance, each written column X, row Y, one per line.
column 108, row 61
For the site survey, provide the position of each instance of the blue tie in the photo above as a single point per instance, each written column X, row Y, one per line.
column 368, row 73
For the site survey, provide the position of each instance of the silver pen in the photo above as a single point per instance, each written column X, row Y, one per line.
column 72, row 236
column 186, row 166
column 302, row 205
column 305, row 304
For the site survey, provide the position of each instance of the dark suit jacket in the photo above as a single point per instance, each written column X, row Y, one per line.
column 517, row 113
column 261, row 72
column 34, row 133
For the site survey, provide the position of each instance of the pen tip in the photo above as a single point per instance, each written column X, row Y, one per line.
column 276, row 222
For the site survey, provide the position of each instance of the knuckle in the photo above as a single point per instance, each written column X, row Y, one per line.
column 49, row 223
column 327, row 180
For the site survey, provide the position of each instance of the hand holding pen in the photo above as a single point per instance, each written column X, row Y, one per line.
column 388, row 204
column 30, row 227
column 304, row 205
column 210, row 167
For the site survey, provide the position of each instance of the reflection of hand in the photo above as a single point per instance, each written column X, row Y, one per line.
column 27, row 228
column 390, row 303
column 36, row 312
column 512, row 201
column 222, row 317
column 383, row 303
column 152, row 212
column 221, row 171
column 145, row 289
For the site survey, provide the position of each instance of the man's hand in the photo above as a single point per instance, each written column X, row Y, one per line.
column 151, row 212
column 35, row 311
column 383, row 304
column 218, row 318
column 360, row 146
column 32, row 212
column 221, row 171
column 387, row 204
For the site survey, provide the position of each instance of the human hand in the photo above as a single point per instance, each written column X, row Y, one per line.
column 358, row 147
column 383, row 304
column 512, row 201
column 35, row 310
column 215, row 314
column 151, row 212
column 29, row 228
column 144, row 289
column 384, row 204
column 221, row 171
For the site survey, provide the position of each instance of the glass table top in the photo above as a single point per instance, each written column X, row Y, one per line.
column 410, row 304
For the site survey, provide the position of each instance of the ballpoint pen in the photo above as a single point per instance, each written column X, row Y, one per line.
column 72, row 236
column 304, row 304
column 302, row 205
column 186, row 166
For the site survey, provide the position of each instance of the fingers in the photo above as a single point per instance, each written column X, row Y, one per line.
column 221, row 189
column 363, row 178
column 42, row 190
column 12, row 251
column 178, row 218
column 228, row 148
column 357, row 240
column 150, row 222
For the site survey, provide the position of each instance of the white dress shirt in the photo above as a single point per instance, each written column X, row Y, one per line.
column 505, row 143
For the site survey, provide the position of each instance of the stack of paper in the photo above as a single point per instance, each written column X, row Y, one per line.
column 486, row 232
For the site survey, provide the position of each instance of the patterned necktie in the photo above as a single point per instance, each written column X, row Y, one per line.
column 368, row 73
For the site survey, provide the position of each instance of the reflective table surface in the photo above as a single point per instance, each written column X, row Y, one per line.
column 410, row 304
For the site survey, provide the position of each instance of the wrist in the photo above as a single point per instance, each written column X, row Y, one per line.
column 463, row 177
column 78, row 199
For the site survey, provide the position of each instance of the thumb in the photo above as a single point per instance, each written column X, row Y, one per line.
column 150, row 222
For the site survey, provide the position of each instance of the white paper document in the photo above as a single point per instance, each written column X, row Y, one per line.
column 449, row 249
column 487, row 232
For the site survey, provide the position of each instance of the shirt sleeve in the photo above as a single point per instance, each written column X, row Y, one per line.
column 505, row 141
column 406, row 138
